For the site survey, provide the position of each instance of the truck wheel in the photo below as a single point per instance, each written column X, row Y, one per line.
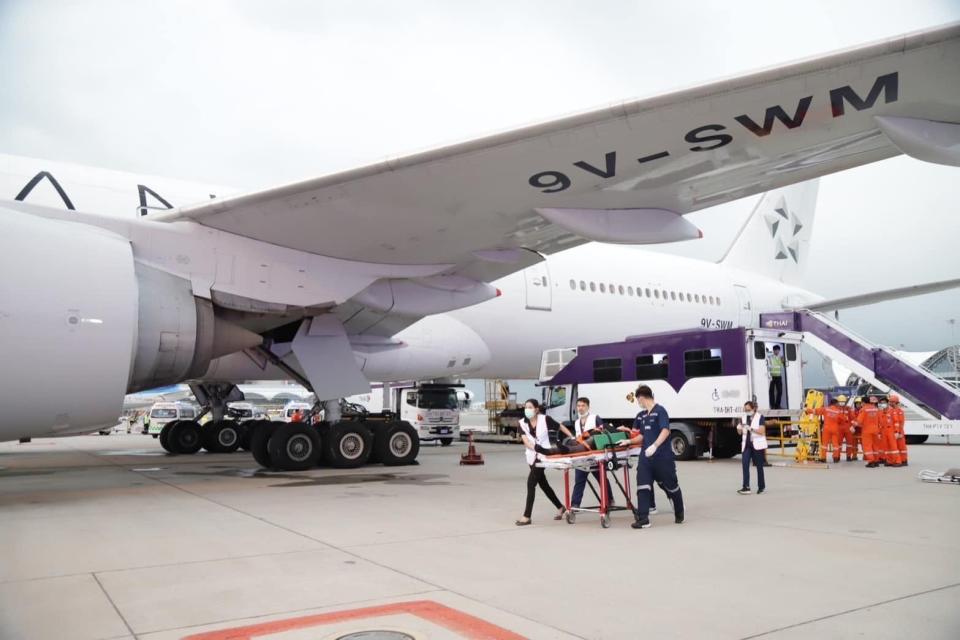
column 400, row 444
column 348, row 445
column 446, row 442
column 916, row 439
column 221, row 436
column 184, row 437
column 259, row 439
column 165, row 436
column 682, row 448
column 294, row 446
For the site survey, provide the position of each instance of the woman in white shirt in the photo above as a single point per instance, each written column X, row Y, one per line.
column 535, row 431
column 753, row 442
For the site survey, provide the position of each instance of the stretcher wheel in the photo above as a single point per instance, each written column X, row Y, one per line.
column 571, row 517
column 605, row 521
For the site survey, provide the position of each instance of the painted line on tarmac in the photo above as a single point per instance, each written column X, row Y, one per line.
column 854, row 610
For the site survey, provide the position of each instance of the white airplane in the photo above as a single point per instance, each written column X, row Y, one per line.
column 467, row 260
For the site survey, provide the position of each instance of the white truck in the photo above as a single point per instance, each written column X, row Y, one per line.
column 433, row 409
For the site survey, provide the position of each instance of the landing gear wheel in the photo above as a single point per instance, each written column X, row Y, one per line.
column 246, row 428
column 184, row 437
column 348, row 446
column 571, row 517
column 294, row 446
column 605, row 521
column 259, row 439
column 165, row 436
column 399, row 444
column 221, row 436
column 446, row 442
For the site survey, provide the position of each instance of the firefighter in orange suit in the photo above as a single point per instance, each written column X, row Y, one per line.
column 898, row 419
column 834, row 420
column 889, row 455
column 868, row 419
column 853, row 430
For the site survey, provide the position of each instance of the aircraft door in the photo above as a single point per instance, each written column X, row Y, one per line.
column 539, row 294
column 744, row 306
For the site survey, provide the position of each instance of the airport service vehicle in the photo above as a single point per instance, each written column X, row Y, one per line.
column 432, row 409
column 292, row 407
column 702, row 377
column 469, row 259
column 163, row 413
column 245, row 411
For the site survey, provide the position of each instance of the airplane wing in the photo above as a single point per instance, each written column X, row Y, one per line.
column 622, row 172
column 628, row 172
column 864, row 299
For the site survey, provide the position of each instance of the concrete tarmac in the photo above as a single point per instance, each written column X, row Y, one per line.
column 108, row 537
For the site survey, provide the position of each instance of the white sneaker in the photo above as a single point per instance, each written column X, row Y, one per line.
column 652, row 512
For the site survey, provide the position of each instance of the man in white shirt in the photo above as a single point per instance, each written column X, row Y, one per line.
column 583, row 425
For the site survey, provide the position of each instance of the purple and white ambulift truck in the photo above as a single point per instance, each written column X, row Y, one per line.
column 702, row 377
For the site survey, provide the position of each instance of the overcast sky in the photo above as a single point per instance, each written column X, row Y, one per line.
column 251, row 94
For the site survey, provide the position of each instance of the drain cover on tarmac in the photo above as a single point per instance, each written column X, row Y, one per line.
column 399, row 621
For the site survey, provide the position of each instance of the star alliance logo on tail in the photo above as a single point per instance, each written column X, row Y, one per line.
column 785, row 228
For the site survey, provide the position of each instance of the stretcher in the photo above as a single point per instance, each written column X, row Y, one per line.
column 606, row 461
column 950, row 476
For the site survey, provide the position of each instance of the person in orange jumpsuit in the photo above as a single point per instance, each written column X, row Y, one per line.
column 846, row 436
column 898, row 419
column 853, row 432
column 889, row 454
column 868, row 419
column 834, row 423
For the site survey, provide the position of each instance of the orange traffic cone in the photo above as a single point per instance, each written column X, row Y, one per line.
column 471, row 456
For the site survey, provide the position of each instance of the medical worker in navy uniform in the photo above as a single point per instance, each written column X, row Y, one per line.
column 656, row 463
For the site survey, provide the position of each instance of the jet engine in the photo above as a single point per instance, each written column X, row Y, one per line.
column 80, row 314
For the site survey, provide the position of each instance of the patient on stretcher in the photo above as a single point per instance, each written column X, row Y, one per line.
column 595, row 442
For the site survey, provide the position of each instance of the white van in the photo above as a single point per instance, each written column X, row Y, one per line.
column 163, row 412
column 292, row 407
column 244, row 411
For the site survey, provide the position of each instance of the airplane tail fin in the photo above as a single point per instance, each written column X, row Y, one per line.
column 775, row 238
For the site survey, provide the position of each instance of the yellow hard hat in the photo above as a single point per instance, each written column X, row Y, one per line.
column 842, row 398
column 858, row 399
column 894, row 398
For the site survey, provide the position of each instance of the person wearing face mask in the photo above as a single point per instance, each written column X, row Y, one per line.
column 535, row 430
column 753, row 441
column 657, row 463
column 584, row 426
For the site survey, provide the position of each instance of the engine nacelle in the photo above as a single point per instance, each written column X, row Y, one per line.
column 82, row 324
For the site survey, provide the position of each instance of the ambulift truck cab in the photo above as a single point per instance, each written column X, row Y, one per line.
column 163, row 412
column 701, row 377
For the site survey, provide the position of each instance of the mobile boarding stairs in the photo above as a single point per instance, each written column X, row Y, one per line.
column 920, row 390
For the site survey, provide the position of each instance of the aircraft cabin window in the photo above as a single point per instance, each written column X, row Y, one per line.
column 573, row 285
column 613, row 289
column 702, row 363
column 696, row 297
column 648, row 293
column 673, row 295
column 630, row 291
column 711, row 299
column 652, row 367
column 689, row 298
column 664, row 294
column 583, row 286
column 607, row 370
column 656, row 294
column 593, row 286
column 603, row 288
column 718, row 302
column 620, row 289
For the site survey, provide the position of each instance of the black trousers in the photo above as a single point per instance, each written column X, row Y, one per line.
column 776, row 391
column 538, row 476
column 580, row 484
column 752, row 455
